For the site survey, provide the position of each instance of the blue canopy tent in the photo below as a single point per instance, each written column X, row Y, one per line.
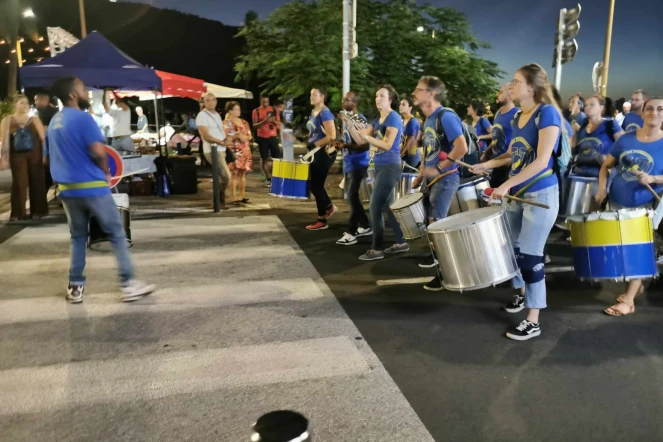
column 97, row 62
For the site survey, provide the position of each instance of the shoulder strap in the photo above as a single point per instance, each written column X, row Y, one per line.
column 610, row 129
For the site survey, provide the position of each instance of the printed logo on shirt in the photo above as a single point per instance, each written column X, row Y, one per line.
column 380, row 136
column 499, row 137
column 57, row 121
column 590, row 145
column 634, row 160
column 313, row 130
column 431, row 143
column 522, row 154
column 631, row 127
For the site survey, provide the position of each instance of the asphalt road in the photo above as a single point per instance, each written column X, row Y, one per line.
column 588, row 377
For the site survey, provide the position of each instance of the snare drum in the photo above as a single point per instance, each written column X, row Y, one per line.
column 580, row 197
column 411, row 215
column 468, row 196
column 290, row 179
column 97, row 235
column 404, row 187
column 613, row 245
column 475, row 249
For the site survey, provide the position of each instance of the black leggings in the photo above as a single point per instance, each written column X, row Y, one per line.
column 318, row 174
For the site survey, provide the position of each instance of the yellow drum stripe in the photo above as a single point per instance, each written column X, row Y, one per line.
column 276, row 169
column 301, row 171
column 611, row 232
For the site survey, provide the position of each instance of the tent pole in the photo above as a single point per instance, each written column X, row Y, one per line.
column 156, row 116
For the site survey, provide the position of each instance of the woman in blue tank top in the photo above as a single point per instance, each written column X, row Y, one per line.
column 536, row 133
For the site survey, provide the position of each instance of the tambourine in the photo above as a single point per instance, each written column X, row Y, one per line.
column 355, row 118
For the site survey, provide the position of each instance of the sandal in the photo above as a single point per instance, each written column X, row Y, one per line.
column 615, row 311
column 244, row 200
column 236, row 203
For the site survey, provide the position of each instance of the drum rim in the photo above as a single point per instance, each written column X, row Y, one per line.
column 497, row 214
column 481, row 286
column 419, row 196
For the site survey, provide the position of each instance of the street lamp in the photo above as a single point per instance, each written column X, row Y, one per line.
column 420, row 29
column 28, row 13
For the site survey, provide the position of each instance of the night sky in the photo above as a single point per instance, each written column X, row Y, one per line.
column 522, row 31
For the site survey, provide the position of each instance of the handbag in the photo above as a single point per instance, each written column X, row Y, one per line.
column 230, row 156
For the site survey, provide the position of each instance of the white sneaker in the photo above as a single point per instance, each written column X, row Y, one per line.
column 347, row 240
column 134, row 290
column 364, row 232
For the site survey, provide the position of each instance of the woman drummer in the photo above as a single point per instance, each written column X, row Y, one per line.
column 322, row 132
column 595, row 137
column 385, row 136
column 536, row 134
column 638, row 159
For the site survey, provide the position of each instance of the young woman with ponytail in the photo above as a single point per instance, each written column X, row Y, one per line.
column 536, row 132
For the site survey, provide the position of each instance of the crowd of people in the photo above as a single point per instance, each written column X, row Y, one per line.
column 529, row 151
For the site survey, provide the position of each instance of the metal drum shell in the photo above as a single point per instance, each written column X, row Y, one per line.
column 580, row 196
column 404, row 186
column 468, row 195
column 410, row 214
column 474, row 249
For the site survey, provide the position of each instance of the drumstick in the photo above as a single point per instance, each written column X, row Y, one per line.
column 489, row 191
column 444, row 156
column 439, row 177
column 653, row 192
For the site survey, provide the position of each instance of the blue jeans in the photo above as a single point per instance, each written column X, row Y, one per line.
column 387, row 176
column 529, row 227
column 104, row 210
column 440, row 195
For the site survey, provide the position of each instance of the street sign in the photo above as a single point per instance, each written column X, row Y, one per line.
column 115, row 165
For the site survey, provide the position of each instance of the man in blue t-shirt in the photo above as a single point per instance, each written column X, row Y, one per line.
column 633, row 120
column 501, row 135
column 355, row 168
column 429, row 95
column 79, row 165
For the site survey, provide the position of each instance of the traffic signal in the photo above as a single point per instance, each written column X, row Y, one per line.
column 568, row 27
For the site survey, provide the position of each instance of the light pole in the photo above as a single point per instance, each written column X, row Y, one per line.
column 349, row 40
column 606, row 51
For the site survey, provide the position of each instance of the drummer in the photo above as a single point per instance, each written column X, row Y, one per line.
column 384, row 135
column 536, row 134
column 322, row 131
column 501, row 135
column 355, row 168
column 429, row 95
column 411, row 128
column 595, row 137
column 638, row 159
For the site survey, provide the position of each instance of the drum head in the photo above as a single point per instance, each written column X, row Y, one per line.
column 407, row 200
column 409, row 175
column 465, row 219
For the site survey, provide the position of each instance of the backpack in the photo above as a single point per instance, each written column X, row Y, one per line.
column 562, row 154
column 24, row 141
column 470, row 134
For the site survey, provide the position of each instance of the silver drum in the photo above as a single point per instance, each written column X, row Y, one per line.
column 404, row 187
column 474, row 249
column 580, row 197
column 468, row 196
column 366, row 186
column 411, row 215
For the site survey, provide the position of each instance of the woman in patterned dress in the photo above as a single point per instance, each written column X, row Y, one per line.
column 240, row 137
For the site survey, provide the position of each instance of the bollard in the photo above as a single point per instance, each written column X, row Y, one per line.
column 215, row 178
column 281, row 426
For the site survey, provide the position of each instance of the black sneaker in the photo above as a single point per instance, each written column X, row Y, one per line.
column 75, row 293
column 516, row 305
column 435, row 285
column 428, row 263
column 524, row 331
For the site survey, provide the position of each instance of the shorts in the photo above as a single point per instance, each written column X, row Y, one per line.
column 269, row 146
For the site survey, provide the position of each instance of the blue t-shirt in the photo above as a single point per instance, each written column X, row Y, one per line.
column 192, row 124
column 412, row 128
column 632, row 154
column 481, row 128
column 591, row 146
column 580, row 118
column 316, row 129
column 632, row 121
column 68, row 141
column 393, row 155
column 502, row 131
column 524, row 146
column 352, row 159
column 452, row 128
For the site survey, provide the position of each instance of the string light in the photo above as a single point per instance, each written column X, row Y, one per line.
column 13, row 51
column 41, row 38
column 47, row 48
column 31, row 50
column 7, row 62
column 22, row 40
column 24, row 61
column 2, row 42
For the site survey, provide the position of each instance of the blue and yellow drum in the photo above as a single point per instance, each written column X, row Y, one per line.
column 290, row 179
column 613, row 245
